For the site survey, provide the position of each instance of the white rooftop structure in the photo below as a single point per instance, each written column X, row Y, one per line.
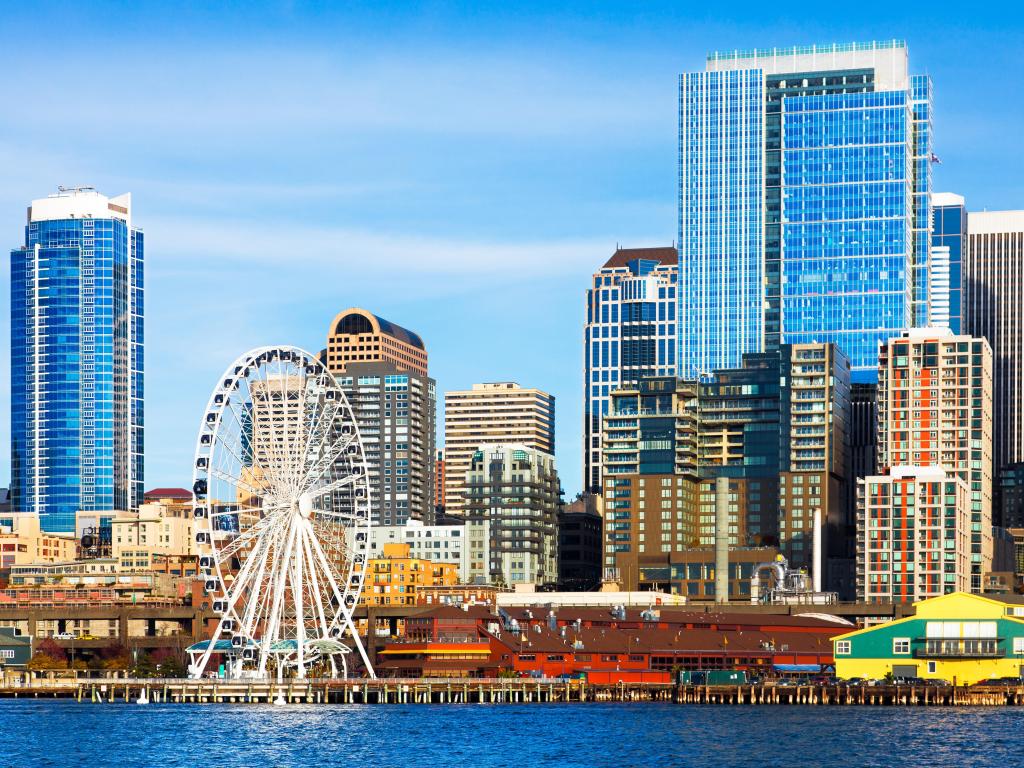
column 80, row 203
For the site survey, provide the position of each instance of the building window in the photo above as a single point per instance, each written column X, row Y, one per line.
column 1018, row 646
column 901, row 646
column 931, row 667
column 842, row 647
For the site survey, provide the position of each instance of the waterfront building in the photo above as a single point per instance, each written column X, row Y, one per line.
column 993, row 287
column 22, row 540
column 630, row 334
column 359, row 336
column 77, row 358
column 512, row 500
column 393, row 578
column 935, row 409
column 945, row 261
column 804, row 202
column 959, row 638
column 493, row 414
column 382, row 368
column 913, row 534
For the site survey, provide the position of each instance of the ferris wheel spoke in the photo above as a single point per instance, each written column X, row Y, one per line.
column 326, row 461
column 257, row 468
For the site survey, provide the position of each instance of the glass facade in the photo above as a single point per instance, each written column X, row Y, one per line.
column 949, row 229
column 77, row 360
column 630, row 334
column 721, row 218
column 835, row 246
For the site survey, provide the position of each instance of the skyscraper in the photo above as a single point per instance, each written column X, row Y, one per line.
column 382, row 369
column 499, row 413
column 630, row 334
column 935, row 410
column 993, row 287
column 804, row 178
column 945, row 269
column 77, row 358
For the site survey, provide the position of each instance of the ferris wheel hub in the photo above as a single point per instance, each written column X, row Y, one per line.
column 304, row 506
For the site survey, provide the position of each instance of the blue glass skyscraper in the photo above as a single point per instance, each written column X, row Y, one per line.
column 77, row 359
column 945, row 273
column 804, row 202
column 630, row 334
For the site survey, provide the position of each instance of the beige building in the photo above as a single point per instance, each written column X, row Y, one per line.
column 22, row 541
column 358, row 336
column 156, row 529
column 499, row 413
column 935, row 410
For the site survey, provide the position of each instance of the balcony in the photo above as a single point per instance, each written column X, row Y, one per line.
column 960, row 649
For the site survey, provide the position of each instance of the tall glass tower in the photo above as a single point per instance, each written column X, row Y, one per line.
column 630, row 334
column 77, row 358
column 804, row 178
column 945, row 268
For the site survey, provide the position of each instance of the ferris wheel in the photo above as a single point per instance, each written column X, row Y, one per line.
column 281, row 504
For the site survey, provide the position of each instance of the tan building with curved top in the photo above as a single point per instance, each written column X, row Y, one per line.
column 358, row 336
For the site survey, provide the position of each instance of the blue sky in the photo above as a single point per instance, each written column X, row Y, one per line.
column 460, row 169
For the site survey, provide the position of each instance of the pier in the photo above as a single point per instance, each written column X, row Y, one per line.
column 507, row 691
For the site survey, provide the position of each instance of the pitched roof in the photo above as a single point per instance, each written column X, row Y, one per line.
column 168, row 493
column 663, row 255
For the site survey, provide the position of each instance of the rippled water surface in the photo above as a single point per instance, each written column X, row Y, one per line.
column 67, row 734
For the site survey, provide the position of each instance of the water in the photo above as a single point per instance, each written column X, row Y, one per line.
column 67, row 734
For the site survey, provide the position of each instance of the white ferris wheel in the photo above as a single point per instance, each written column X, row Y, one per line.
column 281, row 503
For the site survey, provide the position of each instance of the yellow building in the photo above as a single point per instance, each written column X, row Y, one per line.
column 22, row 541
column 959, row 637
column 393, row 579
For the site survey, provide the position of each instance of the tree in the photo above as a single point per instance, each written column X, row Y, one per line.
column 51, row 648
column 44, row 661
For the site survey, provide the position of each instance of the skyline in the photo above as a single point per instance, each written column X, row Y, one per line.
column 341, row 193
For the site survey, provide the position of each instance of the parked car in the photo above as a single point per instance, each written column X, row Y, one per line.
column 908, row 681
column 64, row 636
column 88, row 637
column 937, row 681
column 1001, row 681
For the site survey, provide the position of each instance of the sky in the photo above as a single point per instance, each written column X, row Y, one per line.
column 458, row 168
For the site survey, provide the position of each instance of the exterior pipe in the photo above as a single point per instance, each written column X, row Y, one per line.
column 817, row 566
column 722, row 540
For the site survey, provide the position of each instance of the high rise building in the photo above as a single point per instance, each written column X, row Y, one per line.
column 993, row 287
column 511, row 504
column 913, row 531
column 935, row 410
column 77, row 359
column 498, row 413
column 777, row 428
column 945, row 267
column 439, row 475
column 358, row 336
column 804, row 202
column 382, row 368
column 630, row 334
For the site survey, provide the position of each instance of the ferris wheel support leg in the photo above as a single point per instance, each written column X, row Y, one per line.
column 359, row 644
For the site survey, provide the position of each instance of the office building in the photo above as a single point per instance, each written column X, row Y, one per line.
column 914, row 535
column 439, row 478
column 804, row 202
column 512, row 500
column 1009, row 512
column 579, row 545
column 500, row 413
column 23, row 541
column 935, row 410
column 358, row 336
column 946, row 260
column 993, row 287
column 630, row 334
column 382, row 368
column 77, row 358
